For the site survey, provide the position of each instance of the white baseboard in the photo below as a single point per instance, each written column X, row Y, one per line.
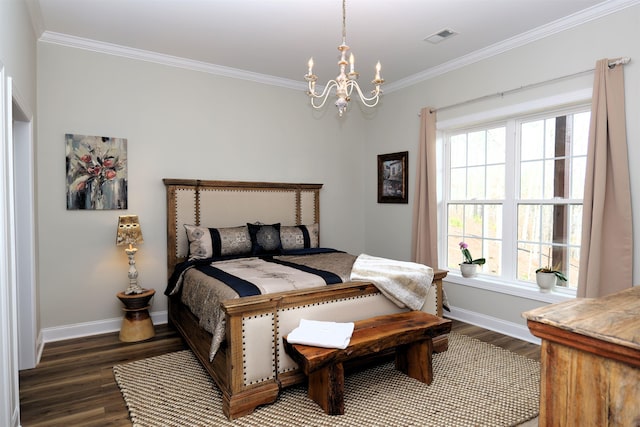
column 78, row 330
column 511, row 329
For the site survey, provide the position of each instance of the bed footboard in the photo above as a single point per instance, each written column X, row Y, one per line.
column 238, row 399
column 251, row 365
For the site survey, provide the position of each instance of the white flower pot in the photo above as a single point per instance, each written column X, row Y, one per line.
column 546, row 281
column 469, row 270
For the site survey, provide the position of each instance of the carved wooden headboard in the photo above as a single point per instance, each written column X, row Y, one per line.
column 233, row 203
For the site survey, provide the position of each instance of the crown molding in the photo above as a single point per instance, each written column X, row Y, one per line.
column 571, row 21
column 595, row 12
column 169, row 60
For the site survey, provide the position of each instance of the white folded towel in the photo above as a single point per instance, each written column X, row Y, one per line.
column 322, row 334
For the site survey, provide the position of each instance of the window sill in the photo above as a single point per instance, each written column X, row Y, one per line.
column 531, row 292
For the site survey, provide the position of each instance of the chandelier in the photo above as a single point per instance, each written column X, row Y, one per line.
column 345, row 82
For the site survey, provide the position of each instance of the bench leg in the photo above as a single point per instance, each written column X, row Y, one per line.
column 415, row 360
column 326, row 388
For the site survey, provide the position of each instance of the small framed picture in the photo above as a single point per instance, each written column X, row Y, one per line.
column 393, row 183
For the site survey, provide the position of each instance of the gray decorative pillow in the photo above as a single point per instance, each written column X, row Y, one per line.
column 299, row 237
column 210, row 242
column 265, row 239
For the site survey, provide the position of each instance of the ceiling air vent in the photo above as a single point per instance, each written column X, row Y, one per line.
column 440, row 36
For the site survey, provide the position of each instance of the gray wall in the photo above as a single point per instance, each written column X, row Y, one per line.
column 18, row 49
column 188, row 124
column 388, row 228
column 179, row 124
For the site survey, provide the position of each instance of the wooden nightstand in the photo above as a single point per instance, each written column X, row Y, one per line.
column 136, row 324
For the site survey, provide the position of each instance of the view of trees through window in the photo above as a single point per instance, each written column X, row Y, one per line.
column 514, row 194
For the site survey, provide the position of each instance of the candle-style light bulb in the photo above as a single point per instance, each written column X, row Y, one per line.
column 352, row 61
column 310, row 65
column 378, row 67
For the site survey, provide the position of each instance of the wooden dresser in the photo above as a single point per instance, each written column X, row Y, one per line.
column 590, row 360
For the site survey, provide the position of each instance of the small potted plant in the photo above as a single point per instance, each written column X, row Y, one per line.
column 546, row 277
column 469, row 266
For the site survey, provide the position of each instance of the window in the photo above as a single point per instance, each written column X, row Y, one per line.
column 514, row 194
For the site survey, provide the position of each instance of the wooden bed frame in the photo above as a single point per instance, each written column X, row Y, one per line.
column 251, row 366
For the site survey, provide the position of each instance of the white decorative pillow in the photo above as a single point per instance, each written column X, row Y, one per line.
column 299, row 237
column 210, row 242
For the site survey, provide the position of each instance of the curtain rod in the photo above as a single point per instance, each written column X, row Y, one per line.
column 621, row 61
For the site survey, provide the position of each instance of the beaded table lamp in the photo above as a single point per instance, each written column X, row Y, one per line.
column 130, row 233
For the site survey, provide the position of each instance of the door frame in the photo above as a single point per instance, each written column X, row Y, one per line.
column 30, row 342
column 9, row 379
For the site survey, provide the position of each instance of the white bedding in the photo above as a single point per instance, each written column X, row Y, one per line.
column 405, row 283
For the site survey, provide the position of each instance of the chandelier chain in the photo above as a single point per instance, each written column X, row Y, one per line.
column 344, row 21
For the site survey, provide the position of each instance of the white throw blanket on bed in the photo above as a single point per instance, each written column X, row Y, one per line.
column 322, row 334
column 405, row 283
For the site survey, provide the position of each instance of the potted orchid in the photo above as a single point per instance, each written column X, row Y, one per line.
column 548, row 276
column 469, row 266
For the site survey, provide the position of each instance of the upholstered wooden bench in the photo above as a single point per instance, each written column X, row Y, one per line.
column 410, row 333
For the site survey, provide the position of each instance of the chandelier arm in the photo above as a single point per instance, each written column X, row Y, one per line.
column 350, row 85
column 330, row 85
column 322, row 96
column 369, row 102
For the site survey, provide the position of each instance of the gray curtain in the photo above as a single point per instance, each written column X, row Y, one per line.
column 425, row 204
column 606, row 253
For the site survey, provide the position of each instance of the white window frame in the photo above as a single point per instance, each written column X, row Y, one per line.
column 563, row 103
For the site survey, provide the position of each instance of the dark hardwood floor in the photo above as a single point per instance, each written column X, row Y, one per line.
column 74, row 385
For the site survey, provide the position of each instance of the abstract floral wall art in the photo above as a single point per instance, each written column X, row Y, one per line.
column 96, row 172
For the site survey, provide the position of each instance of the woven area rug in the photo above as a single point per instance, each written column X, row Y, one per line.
column 475, row 384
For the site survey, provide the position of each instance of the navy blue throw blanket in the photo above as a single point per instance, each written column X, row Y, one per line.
column 243, row 287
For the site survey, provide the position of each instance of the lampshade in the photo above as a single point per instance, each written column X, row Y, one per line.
column 129, row 230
